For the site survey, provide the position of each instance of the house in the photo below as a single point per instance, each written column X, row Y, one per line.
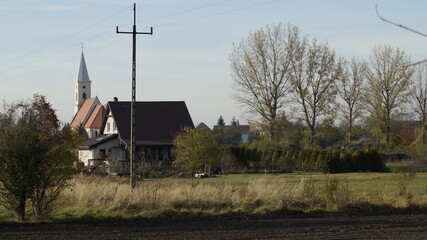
column 108, row 127
column 157, row 123
column 244, row 131
column 203, row 126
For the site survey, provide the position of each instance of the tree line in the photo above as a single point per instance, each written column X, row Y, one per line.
column 301, row 96
column 281, row 75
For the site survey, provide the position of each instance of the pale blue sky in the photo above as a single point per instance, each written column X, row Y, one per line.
column 187, row 57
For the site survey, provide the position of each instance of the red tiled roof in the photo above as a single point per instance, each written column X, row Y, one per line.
column 82, row 114
column 95, row 119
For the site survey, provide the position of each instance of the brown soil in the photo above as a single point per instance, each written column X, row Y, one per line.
column 313, row 226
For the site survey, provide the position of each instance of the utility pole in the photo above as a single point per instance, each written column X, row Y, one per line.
column 132, row 123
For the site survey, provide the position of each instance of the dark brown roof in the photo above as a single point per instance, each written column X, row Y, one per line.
column 156, row 122
column 88, row 144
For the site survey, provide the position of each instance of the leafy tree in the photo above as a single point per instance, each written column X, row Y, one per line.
column 35, row 157
column 21, row 152
column 315, row 71
column 220, row 121
column 388, row 75
column 350, row 89
column 260, row 66
column 419, row 96
column 195, row 150
column 226, row 135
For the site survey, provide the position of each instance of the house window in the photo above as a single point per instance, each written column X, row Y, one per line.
column 108, row 127
column 114, row 126
column 84, row 95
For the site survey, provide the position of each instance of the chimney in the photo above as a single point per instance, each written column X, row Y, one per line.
column 116, row 99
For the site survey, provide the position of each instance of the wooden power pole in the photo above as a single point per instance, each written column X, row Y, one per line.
column 132, row 123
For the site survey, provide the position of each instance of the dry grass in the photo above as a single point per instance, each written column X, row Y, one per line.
column 257, row 194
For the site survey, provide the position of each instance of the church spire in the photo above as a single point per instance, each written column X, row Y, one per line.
column 82, row 87
column 83, row 74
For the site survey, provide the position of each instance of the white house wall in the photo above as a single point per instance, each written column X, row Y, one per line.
column 110, row 126
column 110, row 147
column 85, row 155
column 92, row 132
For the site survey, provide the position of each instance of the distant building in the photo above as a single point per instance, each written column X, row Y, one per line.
column 108, row 127
column 157, row 123
column 244, row 131
column 203, row 126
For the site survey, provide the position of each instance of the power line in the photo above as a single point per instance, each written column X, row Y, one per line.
column 109, row 30
column 219, row 13
column 91, row 38
column 397, row 24
column 59, row 63
column 184, row 11
column 64, row 38
column 404, row 27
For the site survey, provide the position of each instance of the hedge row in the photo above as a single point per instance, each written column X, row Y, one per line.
column 332, row 161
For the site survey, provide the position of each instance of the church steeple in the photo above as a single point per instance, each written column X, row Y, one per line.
column 83, row 74
column 82, row 86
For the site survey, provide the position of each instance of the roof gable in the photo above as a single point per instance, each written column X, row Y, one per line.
column 156, row 122
column 85, row 111
column 95, row 119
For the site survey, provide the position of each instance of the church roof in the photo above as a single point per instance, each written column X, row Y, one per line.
column 85, row 111
column 83, row 74
column 157, row 123
column 95, row 119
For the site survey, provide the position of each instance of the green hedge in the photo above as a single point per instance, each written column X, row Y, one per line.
column 331, row 161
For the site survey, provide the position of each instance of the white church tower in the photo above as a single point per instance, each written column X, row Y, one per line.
column 82, row 86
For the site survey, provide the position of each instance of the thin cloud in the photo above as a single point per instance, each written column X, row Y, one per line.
column 58, row 7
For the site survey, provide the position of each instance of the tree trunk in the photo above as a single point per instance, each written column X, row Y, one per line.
column 350, row 126
column 423, row 129
column 22, row 203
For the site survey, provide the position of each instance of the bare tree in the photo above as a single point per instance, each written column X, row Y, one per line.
column 388, row 77
column 350, row 89
column 315, row 71
column 419, row 95
column 260, row 65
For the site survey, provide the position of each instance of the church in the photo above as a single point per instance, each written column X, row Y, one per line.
column 108, row 127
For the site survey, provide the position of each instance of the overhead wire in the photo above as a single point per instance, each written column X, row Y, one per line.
column 115, row 42
column 219, row 13
column 66, row 37
column 91, row 38
column 404, row 27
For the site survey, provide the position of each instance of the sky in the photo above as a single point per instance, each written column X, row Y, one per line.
column 187, row 57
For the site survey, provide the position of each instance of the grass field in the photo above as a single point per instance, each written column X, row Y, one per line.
column 259, row 194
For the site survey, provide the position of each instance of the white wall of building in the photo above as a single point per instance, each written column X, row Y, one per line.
column 110, row 147
column 110, row 126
